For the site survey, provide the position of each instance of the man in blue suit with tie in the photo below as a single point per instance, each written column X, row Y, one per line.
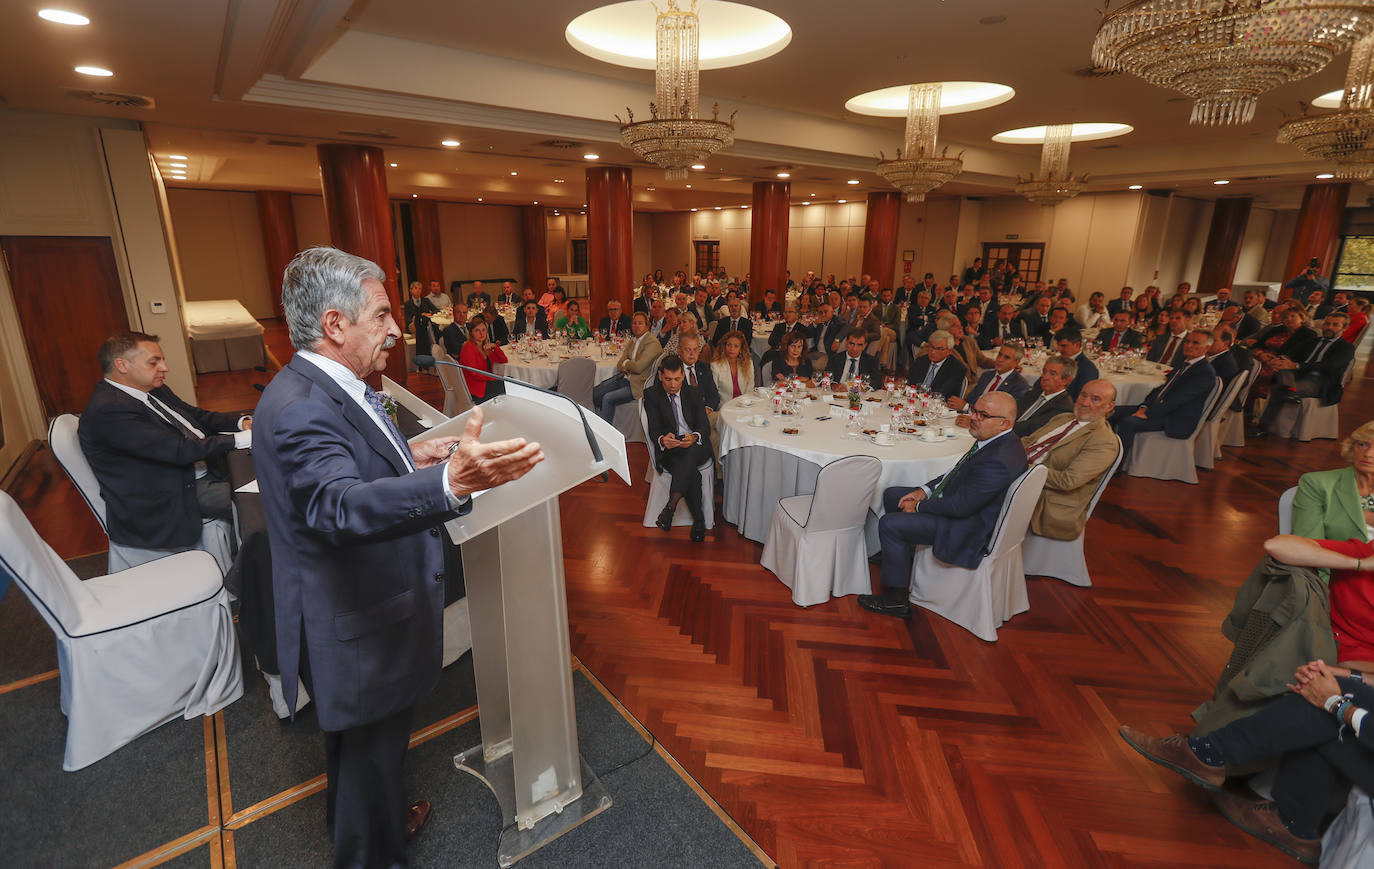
column 954, row 513
column 1004, row 376
column 355, row 516
column 1175, row 406
column 1070, row 342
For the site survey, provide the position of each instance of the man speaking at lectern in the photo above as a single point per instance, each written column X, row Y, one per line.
column 354, row 516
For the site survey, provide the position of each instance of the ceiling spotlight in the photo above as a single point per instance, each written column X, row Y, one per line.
column 1223, row 181
column 842, row 201
column 807, row 202
column 392, row 165
column 558, row 181
column 536, row 202
column 717, row 208
column 584, row 205
column 698, row 165
column 62, row 16
column 852, row 181
column 744, row 206
column 176, row 156
column 689, row 187
column 99, row 71
column 1325, row 175
column 591, row 156
column 784, row 174
column 177, row 165
column 1135, row 187
column 450, row 143
column 479, row 199
column 514, row 173
column 694, row 209
column 414, row 196
column 813, row 194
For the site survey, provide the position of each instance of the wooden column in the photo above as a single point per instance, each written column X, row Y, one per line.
column 535, row 228
column 424, row 232
column 278, row 224
column 1223, row 244
column 610, row 239
column 353, row 181
column 1318, row 231
column 880, row 236
column 768, row 238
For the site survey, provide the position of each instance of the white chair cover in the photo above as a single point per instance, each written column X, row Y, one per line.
column 1307, row 419
column 1155, row 454
column 216, row 535
column 1208, row 444
column 980, row 600
column 659, row 484
column 627, row 422
column 1063, row 559
column 457, row 399
column 1349, row 841
column 136, row 649
column 1286, row 510
column 1231, row 425
column 576, row 379
column 816, row 542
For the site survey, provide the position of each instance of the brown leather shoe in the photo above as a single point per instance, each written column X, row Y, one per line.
column 1261, row 819
column 1172, row 752
column 417, row 817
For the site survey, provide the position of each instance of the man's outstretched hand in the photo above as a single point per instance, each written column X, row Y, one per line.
column 475, row 466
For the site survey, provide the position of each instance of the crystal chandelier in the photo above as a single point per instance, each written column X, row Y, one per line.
column 1345, row 136
column 920, row 170
column 1055, row 184
column 1225, row 53
column 675, row 137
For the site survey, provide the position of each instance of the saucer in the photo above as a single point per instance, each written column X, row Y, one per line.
column 753, row 424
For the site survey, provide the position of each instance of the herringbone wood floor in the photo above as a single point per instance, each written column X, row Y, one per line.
column 839, row 738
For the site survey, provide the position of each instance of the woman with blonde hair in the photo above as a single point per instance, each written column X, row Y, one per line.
column 733, row 368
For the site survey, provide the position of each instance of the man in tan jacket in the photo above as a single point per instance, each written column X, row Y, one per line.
column 1077, row 448
column 632, row 368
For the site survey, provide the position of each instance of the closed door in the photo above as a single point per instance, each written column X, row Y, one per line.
column 69, row 300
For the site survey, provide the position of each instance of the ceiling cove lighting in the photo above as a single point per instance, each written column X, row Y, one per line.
column 1219, row 183
column 392, row 165
column 450, row 143
column 62, row 16
column 1135, row 187
column 176, row 156
column 98, row 71
column 784, row 174
column 852, row 181
column 590, row 156
column 698, row 165
column 1325, row 176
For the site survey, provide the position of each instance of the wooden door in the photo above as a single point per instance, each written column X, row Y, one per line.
column 69, row 300
column 1027, row 257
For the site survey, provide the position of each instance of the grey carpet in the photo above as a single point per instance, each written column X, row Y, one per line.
column 29, row 646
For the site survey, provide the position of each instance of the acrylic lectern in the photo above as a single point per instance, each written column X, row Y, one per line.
column 513, row 564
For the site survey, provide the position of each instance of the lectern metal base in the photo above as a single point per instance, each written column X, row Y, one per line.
column 499, row 775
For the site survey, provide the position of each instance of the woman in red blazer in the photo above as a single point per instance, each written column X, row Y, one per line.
column 479, row 352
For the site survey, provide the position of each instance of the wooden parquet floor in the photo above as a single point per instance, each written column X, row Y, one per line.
column 835, row 737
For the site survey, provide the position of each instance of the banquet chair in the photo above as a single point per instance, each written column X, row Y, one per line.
column 216, row 535
column 136, row 648
column 1208, row 444
column 1063, row 559
column 1308, row 418
column 1157, row 455
column 1231, row 424
column 576, row 379
column 659, row 483
column 816, row 543
column 1286, row 510
column 457, row 399
column 980, row 600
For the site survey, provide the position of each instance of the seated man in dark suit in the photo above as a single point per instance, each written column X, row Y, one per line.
column 678, row 427
column 854, row 361
column 1121, row 336
column 1244, row 323
column 1004, row 376
column 770, row 306
column 789, row 322
column 734, row 321
column 614, row 323
column 954, row 513
column 1337, row 302
column 1175, row 406
column 1070, row 342
column 508, row 294
column 1121, row 303
column 1225, row 363
column 496, row 325
column 1168, row 349
column 530, row 321
column 478, row 294
column 997, row 329
column 939, row 369
column 455, row 334
column 1048, row 398
column 153, row 454
column 1035, row 321
column 1221, row 302
column 1319, row 375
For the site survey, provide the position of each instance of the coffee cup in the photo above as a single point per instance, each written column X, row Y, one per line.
column 949, row 431
column 758, row 419
column 747, row 402
column 930, row 435
column 884, row 438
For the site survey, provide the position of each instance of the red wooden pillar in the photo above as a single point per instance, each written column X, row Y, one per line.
column 1318, row 231
column 610, row 240
column 768, row 238
column 535, row 229
column 1222, row 253
column 353, row 181
column 424, row 232
column 880, row 236
column 278, row 223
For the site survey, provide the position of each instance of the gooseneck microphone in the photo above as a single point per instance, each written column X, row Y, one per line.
column 429, row 361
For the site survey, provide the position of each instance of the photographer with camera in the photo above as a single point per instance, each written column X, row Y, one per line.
column 1307, row 283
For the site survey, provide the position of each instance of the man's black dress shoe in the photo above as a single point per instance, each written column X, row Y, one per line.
column 665, row 518
column 876, row 603
column 416, row 818
column 698, row 532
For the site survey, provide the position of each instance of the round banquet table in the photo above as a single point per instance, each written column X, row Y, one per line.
column 763, row 330
column 1131, row 386
column 787, row 465
column 543, row 370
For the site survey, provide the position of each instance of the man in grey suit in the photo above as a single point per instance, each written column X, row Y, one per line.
column 357, row 553
column 1048, row 398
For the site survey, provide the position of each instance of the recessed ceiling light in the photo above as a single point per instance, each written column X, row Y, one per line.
column 479, row 199
column 1135, row 187
column 514, row 173
column 744, row 206
column 812, row 194
column 584, row 205
column 99, row 71
column 591, row 156
column 784, row 174
column 717, row 208
column 181, row 175
column 698, row 165
column 955, row 97
column 1326, row 175
column 414, row 196
column 559, row 181
column 852, row 181
column 842, row 201
column 694, row 209
column 807, row 202
column 450, row 143
column 1223, row 181
column 689, row 187
column 536, row 202
column 392, row 165
column 176, row 156
column 177, row 165
column 62, row 16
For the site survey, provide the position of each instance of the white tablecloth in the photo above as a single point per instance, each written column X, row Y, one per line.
column 220, row 319
column 762, row 331
column 1131, row 386
column 752, row 488
column 543, row 370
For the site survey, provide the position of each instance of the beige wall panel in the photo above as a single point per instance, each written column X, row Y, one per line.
column 1276, row 252
column 312, row 230
column 219, row 243
column 1254, row 245
column 481, row 241
column 644, row 244
column 672, row 242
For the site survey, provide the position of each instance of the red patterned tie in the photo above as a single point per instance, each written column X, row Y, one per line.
column 1039, row 450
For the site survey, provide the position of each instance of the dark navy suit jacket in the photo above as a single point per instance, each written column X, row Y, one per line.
column 357, row 552
column 1086, row 371
column 1014, row 384
column 971, row 500
column 1180, row 404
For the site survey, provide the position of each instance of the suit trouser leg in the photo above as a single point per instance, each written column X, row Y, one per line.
column 900, row 533
column 1128, row 426
column 1286, row 385
column 682, row 464
column 213, row 497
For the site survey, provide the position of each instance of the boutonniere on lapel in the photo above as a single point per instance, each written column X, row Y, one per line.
column 389, row 405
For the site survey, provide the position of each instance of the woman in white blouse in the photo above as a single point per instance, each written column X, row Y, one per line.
column 733, row 367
